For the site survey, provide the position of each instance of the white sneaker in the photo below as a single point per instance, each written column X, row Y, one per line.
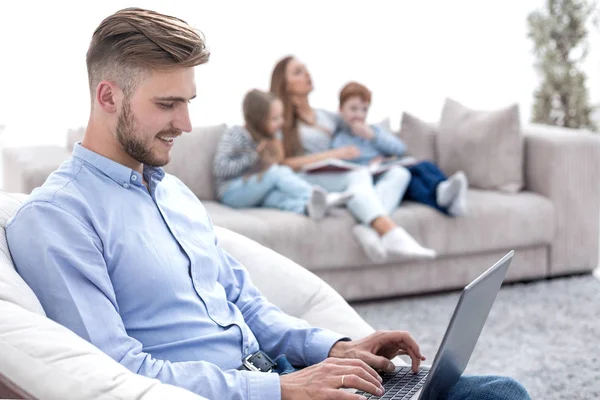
column 317, row 205
column 399, row 242
column 337, row 199
column 447, row 190
column 370, row 242
column 458, row 206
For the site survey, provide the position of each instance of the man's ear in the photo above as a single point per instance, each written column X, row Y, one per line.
column 107, row 96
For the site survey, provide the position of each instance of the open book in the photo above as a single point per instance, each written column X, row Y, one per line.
column 335, row 165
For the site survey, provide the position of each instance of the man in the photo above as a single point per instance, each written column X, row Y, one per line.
column 126, row 257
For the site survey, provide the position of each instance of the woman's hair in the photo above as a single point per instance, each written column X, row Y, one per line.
column 355, row 89
column 132, row 42
column 292, row 144
column 256, row 107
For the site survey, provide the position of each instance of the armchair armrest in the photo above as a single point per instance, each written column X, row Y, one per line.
column 564, row 165
column 26, row 168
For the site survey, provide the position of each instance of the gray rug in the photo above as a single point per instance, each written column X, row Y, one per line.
column 544, row 334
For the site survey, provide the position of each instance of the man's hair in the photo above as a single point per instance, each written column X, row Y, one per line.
column 355, row 89
column 132, row 42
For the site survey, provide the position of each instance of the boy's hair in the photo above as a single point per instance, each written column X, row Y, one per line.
column 355, row 89
column 256, row 107
column 132, row 42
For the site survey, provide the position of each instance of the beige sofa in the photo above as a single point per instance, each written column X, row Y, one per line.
column 552, row 224
column 43, row 360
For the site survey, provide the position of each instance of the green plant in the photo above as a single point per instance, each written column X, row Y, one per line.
column 559, row 33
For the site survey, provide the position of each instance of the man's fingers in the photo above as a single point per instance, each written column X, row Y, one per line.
column 352, row 381
column 342, row 395
column 354, row 362
column 378, row 362
column 416, row 360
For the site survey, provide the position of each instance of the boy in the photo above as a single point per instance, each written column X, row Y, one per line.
column 428, row 184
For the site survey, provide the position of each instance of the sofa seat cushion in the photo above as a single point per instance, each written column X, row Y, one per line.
column 495, row 221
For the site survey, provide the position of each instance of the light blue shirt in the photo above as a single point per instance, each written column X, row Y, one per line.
column 384, row 143
column 139, row 273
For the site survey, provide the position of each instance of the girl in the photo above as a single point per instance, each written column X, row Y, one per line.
column 246, row 165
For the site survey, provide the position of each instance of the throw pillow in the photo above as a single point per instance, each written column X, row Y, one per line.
column 486, row 145
column 419, row 137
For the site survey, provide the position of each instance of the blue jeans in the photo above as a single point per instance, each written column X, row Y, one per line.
column 426, row 176
column 487, row 387
column 279, row 187
column 372, row 198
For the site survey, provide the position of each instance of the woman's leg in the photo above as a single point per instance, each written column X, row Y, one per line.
column 364, row 204
column 390, row 187
column 385, row 236
column 487, row 388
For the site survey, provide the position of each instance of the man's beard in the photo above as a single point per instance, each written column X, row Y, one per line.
column 139, row 149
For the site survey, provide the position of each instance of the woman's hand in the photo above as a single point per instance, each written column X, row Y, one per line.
column 346, row 153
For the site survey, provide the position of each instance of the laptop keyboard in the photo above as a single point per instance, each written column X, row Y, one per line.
column 400, row 384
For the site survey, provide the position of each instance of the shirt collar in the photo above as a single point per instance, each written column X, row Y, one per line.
column 119, row 173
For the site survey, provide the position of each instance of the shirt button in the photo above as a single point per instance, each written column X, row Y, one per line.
column 134, row 177
column 246, row 351
column 126, row 185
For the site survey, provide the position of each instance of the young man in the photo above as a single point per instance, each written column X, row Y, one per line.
column 125, row 255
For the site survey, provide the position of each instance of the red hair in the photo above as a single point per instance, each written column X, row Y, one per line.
column 355, row 89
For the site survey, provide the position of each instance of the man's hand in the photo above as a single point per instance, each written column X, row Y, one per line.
column 363, row 130
column 322, row 381
column 379, row 348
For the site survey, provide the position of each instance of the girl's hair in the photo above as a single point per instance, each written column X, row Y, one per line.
column 291, row 138
column 256, row 107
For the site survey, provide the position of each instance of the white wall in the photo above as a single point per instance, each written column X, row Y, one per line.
column 412, row 54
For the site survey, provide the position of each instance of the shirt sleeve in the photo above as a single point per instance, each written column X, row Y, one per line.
column 60, row 257
column 277, row 333
column 234, row 156
column 387, row 143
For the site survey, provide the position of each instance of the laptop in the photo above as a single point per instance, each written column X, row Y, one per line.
column 457, row 346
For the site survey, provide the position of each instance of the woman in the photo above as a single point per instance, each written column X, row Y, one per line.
column 306, row 139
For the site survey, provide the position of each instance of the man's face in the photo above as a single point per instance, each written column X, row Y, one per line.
column 155, row 114
column 354, row 110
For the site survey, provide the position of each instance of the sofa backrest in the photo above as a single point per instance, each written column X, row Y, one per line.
column 13, row 288
column 192, row 157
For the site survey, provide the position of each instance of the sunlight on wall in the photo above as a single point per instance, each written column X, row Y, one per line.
column 411, row 54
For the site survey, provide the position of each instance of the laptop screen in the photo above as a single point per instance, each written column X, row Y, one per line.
column 464, row 329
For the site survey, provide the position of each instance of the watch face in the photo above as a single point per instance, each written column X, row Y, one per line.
column 261, row 362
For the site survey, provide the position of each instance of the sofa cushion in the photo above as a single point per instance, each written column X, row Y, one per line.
column 419, row 137
column 494, row 221
column 486, row 145
column 13, row 288
column 192, row 157
column 311, row 298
